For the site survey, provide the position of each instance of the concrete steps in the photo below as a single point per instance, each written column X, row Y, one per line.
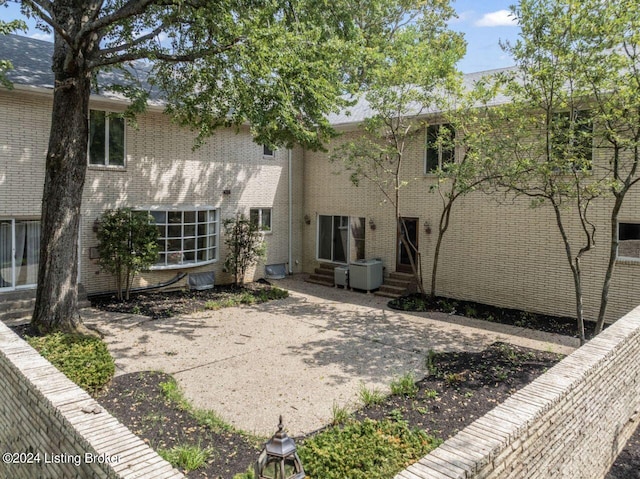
column 16, row 307
column 396, row 285
column 323, row 275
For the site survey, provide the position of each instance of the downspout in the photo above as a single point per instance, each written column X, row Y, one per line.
column 290, row 257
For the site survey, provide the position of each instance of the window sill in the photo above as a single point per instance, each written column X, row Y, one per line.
column 624, row 260
column 182, row 265
column 107, row 168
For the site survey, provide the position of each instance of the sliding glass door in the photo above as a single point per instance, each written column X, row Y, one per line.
column 19, row 251
column 340, row 238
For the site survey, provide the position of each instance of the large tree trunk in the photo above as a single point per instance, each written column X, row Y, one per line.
column 56, row 307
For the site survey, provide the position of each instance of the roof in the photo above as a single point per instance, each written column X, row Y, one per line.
column 31, row 61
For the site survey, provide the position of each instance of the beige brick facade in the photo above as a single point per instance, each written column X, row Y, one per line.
column 508, row 255
column 162, row 170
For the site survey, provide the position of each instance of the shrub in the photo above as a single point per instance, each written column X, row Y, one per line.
column 127, row 244
column 364, row 450
column 83, row 359
column 245, row 243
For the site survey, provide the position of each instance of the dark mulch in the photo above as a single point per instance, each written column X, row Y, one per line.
column 165, row 304
column 542, row 322
column 461, row 388
column 137, row 401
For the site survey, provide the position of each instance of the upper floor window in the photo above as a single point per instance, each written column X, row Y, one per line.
column 261, row 217
column 440, row 147
column 572, row 139
column 266, row 151
column 106, row 139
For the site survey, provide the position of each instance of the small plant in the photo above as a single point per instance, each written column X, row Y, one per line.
column 339, row 415
column 470, row 311
column 405, row 386
column 423, row 410
column 500, row 374
column 171, row 392
column 468, row 395
column 83, row 359
column 454, row 378
column 185, row 456
column 430, row 362
column 245, row 244
column 370, row 397
column 127, row 245
column 431, row 394
column 248, row 474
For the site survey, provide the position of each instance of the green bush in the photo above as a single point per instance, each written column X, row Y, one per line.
column 83, row 359
column 364, row 450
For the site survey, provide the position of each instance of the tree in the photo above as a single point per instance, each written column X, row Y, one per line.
column 541, row 143
column 245, row 242
column 406, row 72
column 278, row 66
column 128, row 244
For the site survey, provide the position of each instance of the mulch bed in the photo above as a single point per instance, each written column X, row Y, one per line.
column 466, row 385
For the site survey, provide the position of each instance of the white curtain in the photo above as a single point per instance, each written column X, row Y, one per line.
column 27, row 252
column 6, row 242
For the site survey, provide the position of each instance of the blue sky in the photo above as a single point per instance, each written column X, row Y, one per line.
column 484, row 23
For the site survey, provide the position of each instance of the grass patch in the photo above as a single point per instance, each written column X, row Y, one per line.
column 247, row 297
column 365, row 449
column 370, row 397
column 339, row 415
column 85, row 360
column 405, row 385
column 187, row 457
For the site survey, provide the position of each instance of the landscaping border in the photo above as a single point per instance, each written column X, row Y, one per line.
column 50, row 428
column 572, row 421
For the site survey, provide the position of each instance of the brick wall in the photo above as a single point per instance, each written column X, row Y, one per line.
column 47, row 418
column 509, row 255
column 569, row 423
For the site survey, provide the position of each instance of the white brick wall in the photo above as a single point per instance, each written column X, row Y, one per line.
column 571, row 422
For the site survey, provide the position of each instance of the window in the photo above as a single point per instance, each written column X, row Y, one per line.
column 19, row 253
column 261, row 217
column 266, row 151
column 340, row 238
column 186, row 237
column 440, row 147
column 571, row 139
column 629, row 240
column 106, row 139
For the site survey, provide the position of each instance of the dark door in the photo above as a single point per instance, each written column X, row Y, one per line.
column 409, row 230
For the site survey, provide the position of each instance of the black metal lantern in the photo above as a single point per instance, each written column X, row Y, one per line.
column 278, row 459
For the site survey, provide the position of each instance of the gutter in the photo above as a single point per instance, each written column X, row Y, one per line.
column 290, row 182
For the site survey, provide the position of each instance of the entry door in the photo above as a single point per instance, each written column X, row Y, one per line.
column 409, row 230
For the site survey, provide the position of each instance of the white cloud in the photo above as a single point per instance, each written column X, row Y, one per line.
column 501, row 18
column 47, row 37
column 463, row 17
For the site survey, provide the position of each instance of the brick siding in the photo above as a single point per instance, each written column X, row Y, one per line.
column 42, row 412
column 571, row 422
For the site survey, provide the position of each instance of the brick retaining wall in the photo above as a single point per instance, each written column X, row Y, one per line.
column 569, row 423
column 46, row 418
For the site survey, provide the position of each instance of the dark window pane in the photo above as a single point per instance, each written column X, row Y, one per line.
column 96, row 137
column 189, row 216
column 116, row 141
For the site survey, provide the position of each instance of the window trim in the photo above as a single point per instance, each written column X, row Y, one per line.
column 441, row 149
column 267, row 152
column 260, row 210
column 626, row 259
column 215, row 235
column 106, row 164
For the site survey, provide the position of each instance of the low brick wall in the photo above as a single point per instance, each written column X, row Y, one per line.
column 569, row 423
column 50, row 428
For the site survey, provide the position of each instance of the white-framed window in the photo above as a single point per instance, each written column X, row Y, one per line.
column 186, row 237
column 106, row 139
column 440, row 147
column 19, row 253
column 341, row 239
column 267, row 152
column 261, row 217
column 629, row 241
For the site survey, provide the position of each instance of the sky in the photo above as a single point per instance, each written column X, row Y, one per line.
column 483, row 22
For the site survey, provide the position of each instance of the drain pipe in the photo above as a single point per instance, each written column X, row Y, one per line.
column 290, row 254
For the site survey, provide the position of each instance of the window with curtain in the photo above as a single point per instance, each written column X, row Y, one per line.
column 106, row 139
